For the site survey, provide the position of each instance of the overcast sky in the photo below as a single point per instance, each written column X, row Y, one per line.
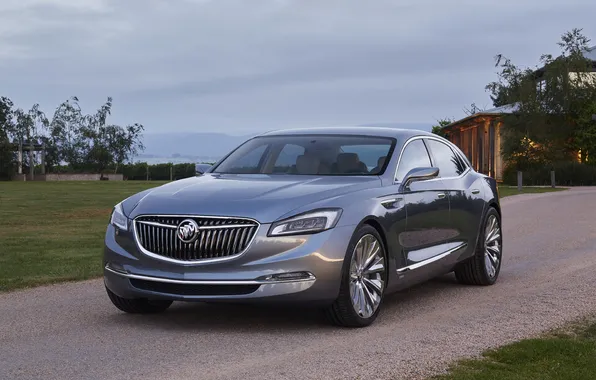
column 239, row 66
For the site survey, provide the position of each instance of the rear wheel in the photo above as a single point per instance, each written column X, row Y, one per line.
column 363, row 281
column 138, row 305
column 484, row 267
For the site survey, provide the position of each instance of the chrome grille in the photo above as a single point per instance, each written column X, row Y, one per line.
column 218, row 237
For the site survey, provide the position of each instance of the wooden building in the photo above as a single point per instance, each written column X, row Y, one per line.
column 479, row 138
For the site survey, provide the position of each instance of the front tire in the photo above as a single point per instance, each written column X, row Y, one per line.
column 483, row 268
column 138, row 305
column 363, row 280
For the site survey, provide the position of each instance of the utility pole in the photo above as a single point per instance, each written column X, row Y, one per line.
column 31, row 160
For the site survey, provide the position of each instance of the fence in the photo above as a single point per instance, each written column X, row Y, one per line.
column 558, row 174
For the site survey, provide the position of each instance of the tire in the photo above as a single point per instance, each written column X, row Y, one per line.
column 343, row 310
column 138, row 305
column 474, row 271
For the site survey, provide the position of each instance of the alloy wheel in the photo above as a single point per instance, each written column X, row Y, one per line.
column 492, row 246
column 367, row 271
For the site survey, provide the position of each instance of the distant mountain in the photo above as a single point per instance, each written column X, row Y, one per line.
column 188, row 146
column 209, row 146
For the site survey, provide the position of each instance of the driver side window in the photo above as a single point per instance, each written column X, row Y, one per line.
column 414, row 155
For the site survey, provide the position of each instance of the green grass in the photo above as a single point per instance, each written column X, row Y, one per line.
column 505, row 191
column 561, row 355
column 54, row 231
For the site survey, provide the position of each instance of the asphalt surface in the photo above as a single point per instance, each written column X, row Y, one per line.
column 72, row 331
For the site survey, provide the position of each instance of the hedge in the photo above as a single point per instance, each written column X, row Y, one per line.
column 138, row 171
column 566, row 174
column 157, row 172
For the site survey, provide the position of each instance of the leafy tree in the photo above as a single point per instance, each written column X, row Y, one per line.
column 63, row 139
column 28, row 127
column 87, row 142
column 555, row 102
column 438, row 128
column 6, row 153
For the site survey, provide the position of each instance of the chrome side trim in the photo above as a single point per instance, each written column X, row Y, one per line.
column 207, row 282
column 431, row 260
column 193, row 262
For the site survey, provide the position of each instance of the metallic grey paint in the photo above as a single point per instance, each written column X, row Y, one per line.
column 427, row 227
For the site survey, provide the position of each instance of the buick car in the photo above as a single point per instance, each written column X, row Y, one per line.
column 333, row 218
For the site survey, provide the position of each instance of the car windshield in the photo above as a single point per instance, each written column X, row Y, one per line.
column 310, row 155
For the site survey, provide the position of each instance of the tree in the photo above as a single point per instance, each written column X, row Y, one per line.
column 28, row 127
column 63, row 139
column 438, row 128
column 6, row 152
column 124, row 143
column 554, row 102
column 87, row 142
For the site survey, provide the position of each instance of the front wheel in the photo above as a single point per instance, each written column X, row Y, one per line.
column 138, row 305
column 484, row 267
column 363, row 280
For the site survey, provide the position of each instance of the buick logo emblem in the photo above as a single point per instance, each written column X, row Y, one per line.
column 188, row 231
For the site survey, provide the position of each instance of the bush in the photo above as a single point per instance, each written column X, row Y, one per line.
column 157, row 172
column 566, row 174
column 138, row 171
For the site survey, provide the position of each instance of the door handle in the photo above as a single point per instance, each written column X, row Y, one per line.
column 392, row 203
column 475, row 191
column 441, row 195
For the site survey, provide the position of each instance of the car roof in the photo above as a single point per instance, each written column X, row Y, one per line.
column 367, row 131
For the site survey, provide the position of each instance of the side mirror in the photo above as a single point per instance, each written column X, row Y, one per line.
column 202, row 168
column 419, row 174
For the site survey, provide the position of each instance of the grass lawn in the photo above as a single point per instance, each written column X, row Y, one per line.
column 54, row 231
column 505, row 191
column 566, row 354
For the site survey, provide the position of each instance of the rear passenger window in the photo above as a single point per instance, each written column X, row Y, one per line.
column 414, row 155
column 449, row 164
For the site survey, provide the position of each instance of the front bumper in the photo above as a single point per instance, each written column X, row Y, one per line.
column 255, row 276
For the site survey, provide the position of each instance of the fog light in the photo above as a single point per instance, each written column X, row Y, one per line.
column 291, row 276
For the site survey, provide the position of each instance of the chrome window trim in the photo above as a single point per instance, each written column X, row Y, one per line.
column 439, row 139
column 311, row 277
column 192, row 262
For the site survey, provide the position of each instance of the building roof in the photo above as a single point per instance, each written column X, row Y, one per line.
column 506, row 109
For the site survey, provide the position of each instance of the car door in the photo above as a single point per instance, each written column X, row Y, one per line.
column 464, row 189
column 427, row 226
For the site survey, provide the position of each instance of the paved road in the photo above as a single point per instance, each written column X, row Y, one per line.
column 549, row 276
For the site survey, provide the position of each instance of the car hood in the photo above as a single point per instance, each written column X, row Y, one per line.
column 261, row 197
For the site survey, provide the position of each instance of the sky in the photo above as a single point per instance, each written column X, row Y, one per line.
column 239, row 66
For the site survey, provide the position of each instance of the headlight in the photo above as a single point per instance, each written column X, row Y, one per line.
column 310, row 222
column 118, row 219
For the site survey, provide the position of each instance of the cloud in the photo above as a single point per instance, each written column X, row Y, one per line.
column 239, row 65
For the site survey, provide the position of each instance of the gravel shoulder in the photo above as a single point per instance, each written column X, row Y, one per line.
column 71, row 331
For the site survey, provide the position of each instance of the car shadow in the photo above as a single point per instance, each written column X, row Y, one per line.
column 259, row 318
